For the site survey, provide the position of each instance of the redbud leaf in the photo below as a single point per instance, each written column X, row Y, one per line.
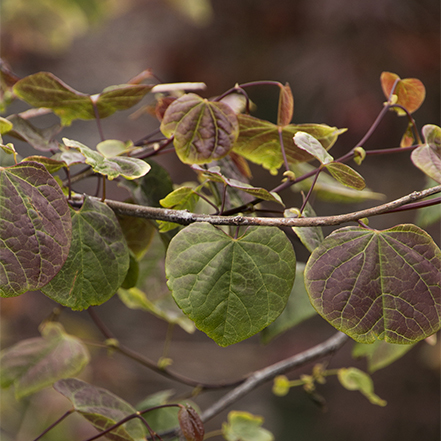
column 286, row 106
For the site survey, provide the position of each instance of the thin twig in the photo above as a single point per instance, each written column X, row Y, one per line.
column 185, row 217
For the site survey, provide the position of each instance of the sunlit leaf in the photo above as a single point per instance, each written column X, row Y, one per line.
column 44, row 89
column 297, row 310
column 427, row 157
column 130, row 168
column 183, row 198
column 103, row 409
column 380, row 353
column 214, row 174
column 5, row 125
column 408, row 138
column 243, row 426
column 346, row 175
column 259, row 141
column 377, row 284
column 308, row 143
column 354, row 379
column 112, row 147
column 98, row 259
column 231, row 288
column 286, row 106
column 203, row 130
column 35, row 228
column 410, row 92
column 36, row 363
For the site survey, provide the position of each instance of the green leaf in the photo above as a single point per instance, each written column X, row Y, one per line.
column 214, row 174
column 113, row 147
column 328, row 189
column 163, row 307
column 377, row 284
column 203, row 130
column 152, row 187
column 346, row 175
column 129, row 168
column 297, row 310
column 410, row 92
column 132, row 274
column 380, row 353
column 138, row 233
column 427, row 157
column 286, row 106
column 308, row 143
column 36, row 363
column 35, row 228
column 243, row 426
column 40, row 139
column 311, row 237
column 50, row 164
column 98, row 259
column 5, row 126
column 44, row 89
column 428, row 215
column 259, row 141
column 103, row 409
column 354, row 379
column 183, row 198
column 231, row 288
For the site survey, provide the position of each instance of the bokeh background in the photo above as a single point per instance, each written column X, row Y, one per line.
column 332, row 53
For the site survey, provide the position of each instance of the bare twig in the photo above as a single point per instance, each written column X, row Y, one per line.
column 185, row 217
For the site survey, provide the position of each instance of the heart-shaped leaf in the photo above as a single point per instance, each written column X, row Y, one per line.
column 103, row 409
column 346, row 175
column 286, row 106
column 231, row 288
column 130, row 168
column 33, row 364
column 427, row 157
column 44, row 89
column 377, row 284
column 410, row 92
column 259, row 141
column 98, row 259
column 35, row 228
column 203, row 130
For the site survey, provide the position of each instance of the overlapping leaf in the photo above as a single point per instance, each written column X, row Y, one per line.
column 259, row 141
column 410, row 92
column 44, row 89
column 103, row 409
column 377, row 284
column 427, row 157
column 130, row 168
column 297, row 310
column 98, row 259
column 230, row 288
column 286, row 106
column 33, row 364
column 203, row 130
column 214, row 174
column 35, row 228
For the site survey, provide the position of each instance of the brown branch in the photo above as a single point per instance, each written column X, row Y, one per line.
column 185, row 217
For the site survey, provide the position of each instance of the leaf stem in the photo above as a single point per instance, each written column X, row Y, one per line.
column 65, row 415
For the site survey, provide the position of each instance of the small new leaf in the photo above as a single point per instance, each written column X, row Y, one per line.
column 410, row 92
column 346, row 175
column 286, row 106
column 308, row 143
column 354, row 379
column 427, row 157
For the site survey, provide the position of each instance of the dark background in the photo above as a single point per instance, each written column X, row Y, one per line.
column 332, row 53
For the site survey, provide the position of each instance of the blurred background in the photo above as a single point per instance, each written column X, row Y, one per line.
column 332, row 53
